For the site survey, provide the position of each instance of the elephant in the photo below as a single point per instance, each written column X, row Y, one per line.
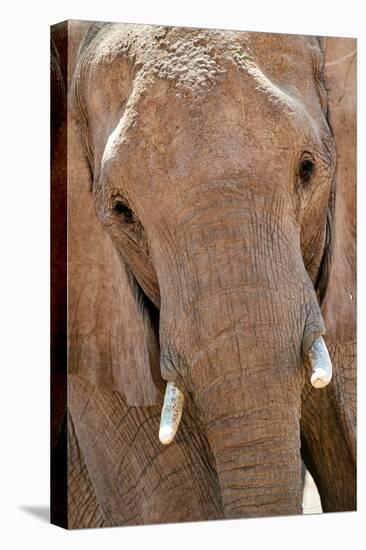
column 211, row 249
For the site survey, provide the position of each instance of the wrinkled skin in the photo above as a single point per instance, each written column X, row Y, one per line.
column 209, row 160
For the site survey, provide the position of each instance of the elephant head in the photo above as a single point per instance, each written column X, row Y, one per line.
column 211, row 166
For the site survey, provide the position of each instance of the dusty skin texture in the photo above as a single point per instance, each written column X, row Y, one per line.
column 211, row 212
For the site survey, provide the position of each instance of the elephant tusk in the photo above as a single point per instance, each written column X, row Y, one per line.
column 171, row 413
column 320, row 363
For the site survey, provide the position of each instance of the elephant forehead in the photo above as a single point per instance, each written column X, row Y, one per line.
column 180, row 90
column 191, row 65
column 195, row 61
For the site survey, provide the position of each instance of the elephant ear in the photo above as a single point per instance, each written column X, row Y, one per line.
column 339, row 303
column 112, row 336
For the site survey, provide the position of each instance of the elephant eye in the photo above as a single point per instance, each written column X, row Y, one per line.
column 306, row 170
column 124, row 212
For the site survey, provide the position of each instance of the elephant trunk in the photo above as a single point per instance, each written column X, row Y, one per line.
column 257, row 451
column 250, row 408
column 243, row 329
column 246, row 382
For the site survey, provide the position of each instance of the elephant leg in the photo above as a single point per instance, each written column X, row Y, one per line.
column 83, row 508
column 328, row 433
column 135, row 478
